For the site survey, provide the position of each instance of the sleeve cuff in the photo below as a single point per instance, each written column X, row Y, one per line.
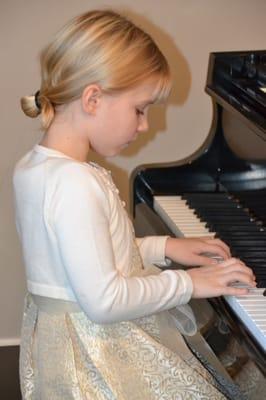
column 186, row 286
column 152, row 250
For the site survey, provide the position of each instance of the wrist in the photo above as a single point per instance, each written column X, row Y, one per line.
column 187, row 284
column 171, row 247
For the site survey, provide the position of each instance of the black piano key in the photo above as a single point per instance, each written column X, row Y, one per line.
column 248, row 242
column 219, row 209
column 227, row 205
column 251, row 200
column 225, row 219
column 249, row 250
column 251, row 260
column 259, row 278
column 208, row 214
column 260, row 282
column 255, row 201
column 214, row 204
column 258, row 265
column 259, row 272
column 258, row 269
column 224, row 228
column 261, row 207
column 230, row 237
column 248, row 254
column 205, row 195
column 239, row 235
column 259, row 275
column 235, row 222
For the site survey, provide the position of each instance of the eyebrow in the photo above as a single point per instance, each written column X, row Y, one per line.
column 146, row 102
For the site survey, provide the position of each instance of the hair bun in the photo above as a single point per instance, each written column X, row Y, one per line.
column 30, row 106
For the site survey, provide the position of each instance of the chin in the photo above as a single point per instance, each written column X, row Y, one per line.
column 110, row 153
column 117, row 151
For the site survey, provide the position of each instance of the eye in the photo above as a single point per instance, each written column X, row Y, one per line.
column 139, row 112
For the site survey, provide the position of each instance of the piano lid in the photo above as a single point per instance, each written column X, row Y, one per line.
column 237, row 80
column 237, row 83
column 233, row 156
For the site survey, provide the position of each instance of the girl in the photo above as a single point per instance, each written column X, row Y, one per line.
column 96, row 324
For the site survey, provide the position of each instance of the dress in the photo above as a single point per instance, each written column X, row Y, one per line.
column 67, row 354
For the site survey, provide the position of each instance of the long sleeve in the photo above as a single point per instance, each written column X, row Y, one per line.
column 80, row 217
column 152, row 250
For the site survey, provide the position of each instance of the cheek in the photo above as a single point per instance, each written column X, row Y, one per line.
column 132, row 127
column 127, row 122
column 134, row 119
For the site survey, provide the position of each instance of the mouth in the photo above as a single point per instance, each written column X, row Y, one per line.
column 134, row 138
column 130, row 141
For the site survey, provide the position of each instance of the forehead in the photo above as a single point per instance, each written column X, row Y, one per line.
column 140, row 95
column 144, row 93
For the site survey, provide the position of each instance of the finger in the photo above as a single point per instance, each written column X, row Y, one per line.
column 235, row 265
column 231, row 261
column 206, row 261
column 241, row 277
column 216, row 250
column 239, row 268
column 220, row 243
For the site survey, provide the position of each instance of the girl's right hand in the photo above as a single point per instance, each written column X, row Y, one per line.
column 218, row 280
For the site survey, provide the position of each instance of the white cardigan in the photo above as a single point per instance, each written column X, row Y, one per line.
column 77, row 241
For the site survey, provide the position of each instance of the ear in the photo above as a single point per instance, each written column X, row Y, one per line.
column 91, row 98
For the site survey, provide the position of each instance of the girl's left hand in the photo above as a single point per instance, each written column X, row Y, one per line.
column 190, row 251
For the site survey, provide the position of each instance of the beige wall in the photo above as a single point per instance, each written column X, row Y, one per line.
column 187, row 30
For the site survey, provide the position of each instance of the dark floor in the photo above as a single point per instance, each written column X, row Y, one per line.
column 9, row 378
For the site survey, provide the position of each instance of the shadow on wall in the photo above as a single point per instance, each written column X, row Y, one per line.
column 157, row 114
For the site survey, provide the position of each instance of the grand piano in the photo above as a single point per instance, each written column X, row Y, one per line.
column 220, row 191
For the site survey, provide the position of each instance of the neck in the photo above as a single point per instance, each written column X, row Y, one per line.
column 63, row 137
column 73, row 149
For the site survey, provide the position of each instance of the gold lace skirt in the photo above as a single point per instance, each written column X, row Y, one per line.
column 66, row 356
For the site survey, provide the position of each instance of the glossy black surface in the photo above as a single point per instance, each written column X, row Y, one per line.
column 240, row 79
column 225, row 181
column 218, row 166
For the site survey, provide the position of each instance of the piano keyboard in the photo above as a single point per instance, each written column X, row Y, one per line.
column 195, row 215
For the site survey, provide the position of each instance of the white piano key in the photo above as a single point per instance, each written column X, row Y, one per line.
column 248, row 316
column 182, row 221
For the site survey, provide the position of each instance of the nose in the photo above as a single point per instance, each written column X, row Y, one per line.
column 143, row 124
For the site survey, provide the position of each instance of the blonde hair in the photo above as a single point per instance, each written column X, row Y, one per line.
column 100, row 47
